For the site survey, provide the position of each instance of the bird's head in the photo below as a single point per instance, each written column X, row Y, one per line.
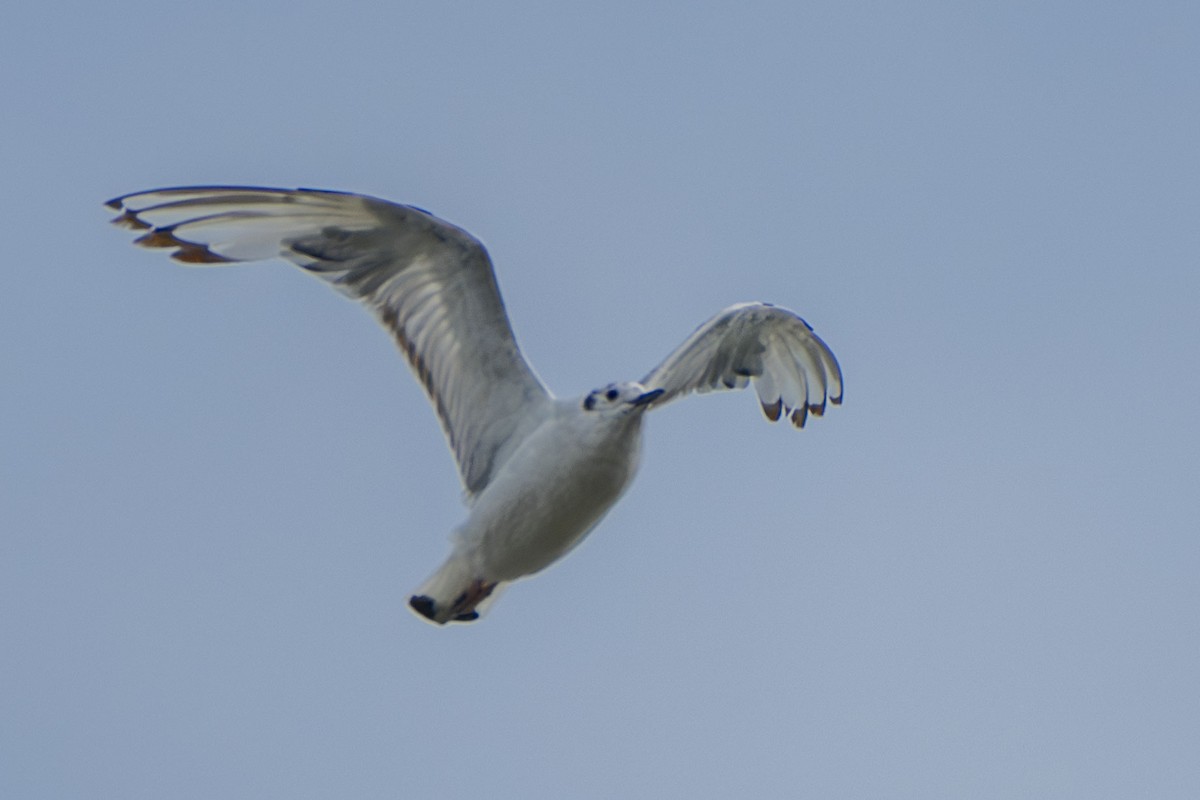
column 620, row 398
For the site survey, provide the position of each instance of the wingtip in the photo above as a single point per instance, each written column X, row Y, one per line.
column 773, row 410
column 116, row 204
column 799, row 416
column 185, row 252
column 196, row 254
column 130, row 220
column 159, row 237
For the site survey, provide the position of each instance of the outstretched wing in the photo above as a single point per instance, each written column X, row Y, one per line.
column 794, row 372
column 429, row 283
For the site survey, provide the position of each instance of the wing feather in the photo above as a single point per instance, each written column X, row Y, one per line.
column 794, row 373
column 428, row 282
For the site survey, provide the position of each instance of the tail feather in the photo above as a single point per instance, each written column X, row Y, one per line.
column 455, row 593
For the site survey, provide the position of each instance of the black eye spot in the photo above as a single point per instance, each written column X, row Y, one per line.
column 611, row 394
column 589, row 402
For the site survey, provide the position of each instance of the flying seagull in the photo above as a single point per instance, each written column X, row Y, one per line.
column 538, row 472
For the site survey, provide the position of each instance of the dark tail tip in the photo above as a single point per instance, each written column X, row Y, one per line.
column 423, row 605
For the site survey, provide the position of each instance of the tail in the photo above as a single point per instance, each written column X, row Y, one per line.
column 455, row 593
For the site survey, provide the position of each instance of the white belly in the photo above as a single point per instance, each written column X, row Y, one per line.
column 549, row 495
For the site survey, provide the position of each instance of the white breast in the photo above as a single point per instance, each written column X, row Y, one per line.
column 550, row 494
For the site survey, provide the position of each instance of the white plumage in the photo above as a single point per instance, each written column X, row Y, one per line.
column 538, row 472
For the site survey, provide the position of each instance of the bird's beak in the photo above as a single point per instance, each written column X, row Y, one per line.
column 648, row 397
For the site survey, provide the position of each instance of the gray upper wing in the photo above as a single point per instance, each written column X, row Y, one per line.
column 428, row 282
column 793, row 371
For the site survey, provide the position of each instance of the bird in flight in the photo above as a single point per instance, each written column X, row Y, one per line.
column 538, row 472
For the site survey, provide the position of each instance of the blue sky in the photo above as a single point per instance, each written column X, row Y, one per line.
column 975, row 579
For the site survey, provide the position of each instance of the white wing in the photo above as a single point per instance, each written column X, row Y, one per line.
column 793, row 371
column 429, row 283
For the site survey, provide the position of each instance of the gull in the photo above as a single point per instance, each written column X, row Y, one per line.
column 538, row 472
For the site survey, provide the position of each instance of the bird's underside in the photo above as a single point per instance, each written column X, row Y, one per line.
column 462, row 608
column 432, row 286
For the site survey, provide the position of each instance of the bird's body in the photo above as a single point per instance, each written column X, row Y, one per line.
column 538, row 472
column 555, row 488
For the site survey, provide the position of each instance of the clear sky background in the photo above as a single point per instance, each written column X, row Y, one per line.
column 978, row 578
